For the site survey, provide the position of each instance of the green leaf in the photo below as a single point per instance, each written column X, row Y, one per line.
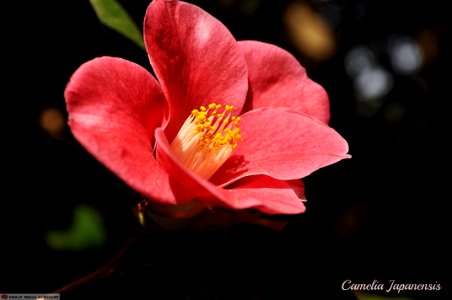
column 249, row 7
column 366, row 296
column 113, row 15
column 86, row 232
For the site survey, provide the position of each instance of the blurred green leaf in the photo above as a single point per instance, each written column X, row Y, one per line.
column 249, row 7
column 365, row 296
column 86, row 231
column 113, row 15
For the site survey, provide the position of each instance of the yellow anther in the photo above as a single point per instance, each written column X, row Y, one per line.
column 200, row 117
column 207, row 138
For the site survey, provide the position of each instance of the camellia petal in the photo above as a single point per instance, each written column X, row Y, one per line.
column 282, row 144
column 187, row 185
column 278, row 79
column 114, row 106
column 264, row 193
column 298, row 187
column 196, row 59
column 274, row 196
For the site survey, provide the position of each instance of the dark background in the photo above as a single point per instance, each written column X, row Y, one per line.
column 380, row 215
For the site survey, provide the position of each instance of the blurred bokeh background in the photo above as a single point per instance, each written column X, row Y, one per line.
column 380, row 215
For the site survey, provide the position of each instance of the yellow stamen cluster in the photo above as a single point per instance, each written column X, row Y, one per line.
column 207, row 138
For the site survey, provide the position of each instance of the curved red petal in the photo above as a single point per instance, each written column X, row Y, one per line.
column 276, row 78
column 298, row 187
column 195, row 58
column 268, row 195
column 260, row 192
column 114, row 106
column 187, row 185
column 282, row 144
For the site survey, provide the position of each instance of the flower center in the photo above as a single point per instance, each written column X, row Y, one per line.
column 207, row 139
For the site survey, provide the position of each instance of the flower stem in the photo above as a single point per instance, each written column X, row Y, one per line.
column 101, row 273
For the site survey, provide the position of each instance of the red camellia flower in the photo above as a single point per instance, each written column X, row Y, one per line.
column 226, row 123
